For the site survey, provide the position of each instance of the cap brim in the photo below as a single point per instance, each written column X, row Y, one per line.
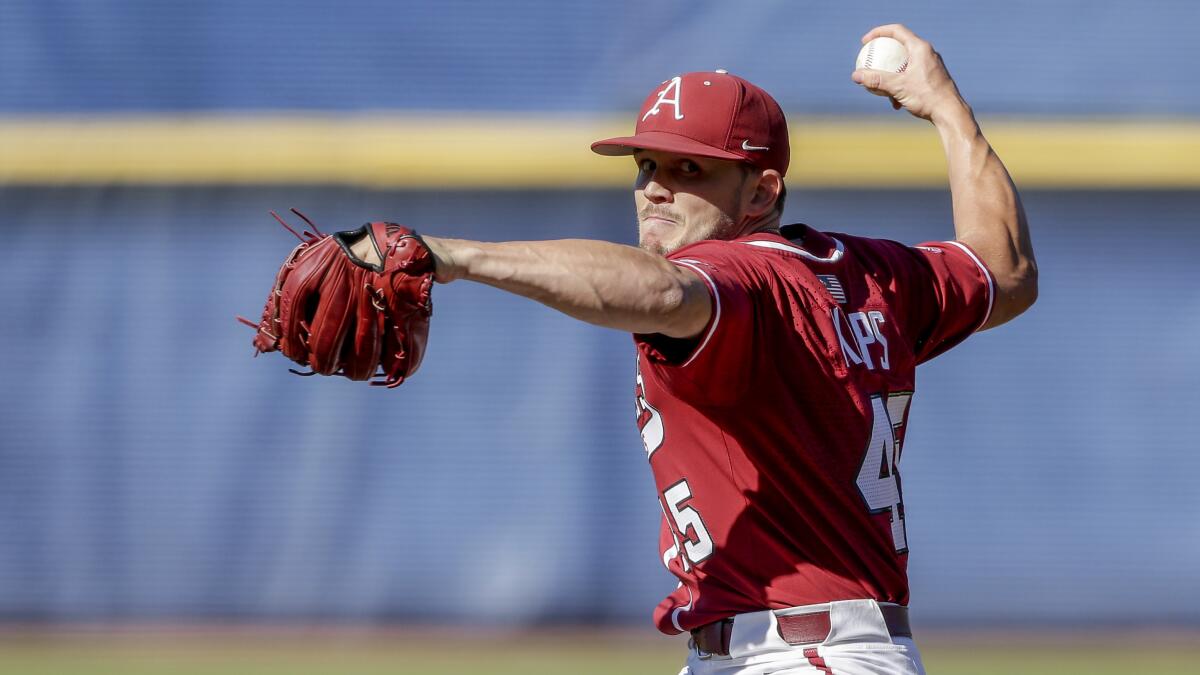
column 662, row 141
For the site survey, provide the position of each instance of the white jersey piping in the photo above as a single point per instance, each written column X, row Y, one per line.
column 987, row 273
column 692, row 264
column 833, row 257
column 686, row 608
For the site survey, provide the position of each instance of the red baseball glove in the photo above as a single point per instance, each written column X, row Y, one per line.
column 355, row 303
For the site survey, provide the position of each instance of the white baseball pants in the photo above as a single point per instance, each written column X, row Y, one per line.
column 858, row 644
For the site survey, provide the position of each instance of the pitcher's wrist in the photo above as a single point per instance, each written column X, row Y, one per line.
column 447, row 265
column 955, row 116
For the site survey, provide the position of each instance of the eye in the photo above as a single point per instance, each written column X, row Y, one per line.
column 646, row 169
column 689, row 168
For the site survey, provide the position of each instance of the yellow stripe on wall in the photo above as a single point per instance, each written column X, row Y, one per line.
column 519, row 151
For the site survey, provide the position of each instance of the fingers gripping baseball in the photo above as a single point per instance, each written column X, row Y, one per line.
column 923, row 86
column 877, row 80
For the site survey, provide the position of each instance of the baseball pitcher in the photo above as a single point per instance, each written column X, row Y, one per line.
column 775, row 366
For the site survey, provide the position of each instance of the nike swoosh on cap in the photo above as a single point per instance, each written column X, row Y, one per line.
column 746, row 146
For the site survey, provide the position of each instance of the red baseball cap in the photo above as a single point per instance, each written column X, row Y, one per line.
column 709, row 115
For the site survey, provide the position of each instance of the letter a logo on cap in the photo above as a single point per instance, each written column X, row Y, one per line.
column 662, row 98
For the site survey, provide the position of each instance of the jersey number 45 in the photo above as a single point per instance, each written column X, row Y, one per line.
column 879, row 476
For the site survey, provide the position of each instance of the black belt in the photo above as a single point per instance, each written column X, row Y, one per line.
column 795, row 629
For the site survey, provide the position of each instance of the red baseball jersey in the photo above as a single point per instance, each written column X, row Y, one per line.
column 775, row 435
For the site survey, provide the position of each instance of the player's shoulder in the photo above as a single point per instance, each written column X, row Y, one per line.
column 762, row 247
column 797, row 241
column 879, row 256
column 799, row 250
column 707, row 250
column 861, row 247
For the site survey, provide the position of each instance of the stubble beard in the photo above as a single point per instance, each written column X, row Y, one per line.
column 724, row 227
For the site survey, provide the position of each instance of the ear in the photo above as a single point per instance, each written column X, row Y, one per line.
column 767, row 187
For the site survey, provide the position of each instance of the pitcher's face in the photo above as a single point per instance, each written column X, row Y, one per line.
column 682, row 199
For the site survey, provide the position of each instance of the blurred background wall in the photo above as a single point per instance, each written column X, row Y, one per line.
column 150, row 469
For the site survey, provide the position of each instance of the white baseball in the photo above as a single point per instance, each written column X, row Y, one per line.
column 882, row 53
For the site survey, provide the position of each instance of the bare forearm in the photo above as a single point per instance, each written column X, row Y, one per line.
column 987, row 211
column 602, row 283
column 988, row 215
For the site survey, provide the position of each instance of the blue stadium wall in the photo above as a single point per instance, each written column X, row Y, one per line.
column 151, row 469
column 1063, row 57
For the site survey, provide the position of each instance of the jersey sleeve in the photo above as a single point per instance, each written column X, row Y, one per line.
column 710, row 368
column 952, row 294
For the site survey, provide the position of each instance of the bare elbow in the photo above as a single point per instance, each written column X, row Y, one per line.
column 671, row 300
column 1025, row 284
column 1015, row 293
column 685, row 307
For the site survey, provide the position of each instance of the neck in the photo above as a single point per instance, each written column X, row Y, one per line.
column 765, row 223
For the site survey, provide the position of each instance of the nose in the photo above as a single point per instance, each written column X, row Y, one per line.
column 655, row 191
